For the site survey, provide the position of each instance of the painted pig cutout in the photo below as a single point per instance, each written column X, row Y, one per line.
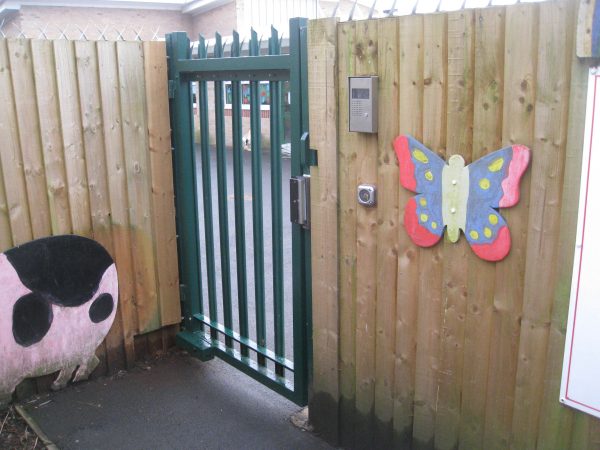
column 58, row 298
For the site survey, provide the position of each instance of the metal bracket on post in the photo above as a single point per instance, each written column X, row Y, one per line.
column 300, row 200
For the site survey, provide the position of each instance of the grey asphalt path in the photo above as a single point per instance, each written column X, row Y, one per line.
column 177, row 403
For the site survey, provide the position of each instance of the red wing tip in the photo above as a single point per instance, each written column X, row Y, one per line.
column 496, row 250
column 418, row 233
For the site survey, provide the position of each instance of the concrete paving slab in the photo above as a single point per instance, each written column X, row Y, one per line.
column 177, row 402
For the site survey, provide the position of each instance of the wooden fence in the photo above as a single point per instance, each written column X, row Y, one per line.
column 436, row 348
column 85, row 149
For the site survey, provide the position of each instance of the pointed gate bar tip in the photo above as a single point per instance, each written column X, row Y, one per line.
column 201, row 52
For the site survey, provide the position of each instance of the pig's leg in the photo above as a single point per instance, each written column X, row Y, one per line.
column 5, row 399
column 63, row 378
column 86, row 368
column 6, row 393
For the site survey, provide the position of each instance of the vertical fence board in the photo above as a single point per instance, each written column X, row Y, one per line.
column 28, row 124
column 517, row 125
column 551, row 109
column 556, row 422
column 135, row 140
column 410, row 35
column 387, row 219
column 94, row 148
column 457, row 255
column 435, row 54
column 46, row 91
column 10, row 155
column 117, row 186
column 347, row 236
column 365, row 146
column 68, row 95
column 323, row 86
column 5, row 231
column 487, row 137
column 159, row 132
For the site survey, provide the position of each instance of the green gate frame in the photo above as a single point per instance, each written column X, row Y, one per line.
column 184, row 69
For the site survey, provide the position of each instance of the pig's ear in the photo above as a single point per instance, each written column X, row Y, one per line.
column 32, row 318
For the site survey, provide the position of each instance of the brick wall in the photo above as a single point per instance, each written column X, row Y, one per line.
column 31, row 18
column 222, row 19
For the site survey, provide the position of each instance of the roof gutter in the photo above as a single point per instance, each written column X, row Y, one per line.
column 202, row 6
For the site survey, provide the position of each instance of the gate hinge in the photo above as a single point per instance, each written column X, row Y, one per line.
column 300, row 200
column 171, row 88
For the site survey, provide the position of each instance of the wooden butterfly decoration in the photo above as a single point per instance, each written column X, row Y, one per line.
column 458, row 198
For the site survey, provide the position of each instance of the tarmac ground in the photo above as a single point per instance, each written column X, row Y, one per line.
column 176, row 402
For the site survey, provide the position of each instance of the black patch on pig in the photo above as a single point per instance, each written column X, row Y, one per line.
column 32, row 317
column 64, row 270
column 101, row 308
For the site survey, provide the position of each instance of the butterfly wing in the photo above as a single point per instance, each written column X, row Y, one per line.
column 421, row 172
column 495, row 177
column 487, row 232
column 493, row 183
column 420, row 168
column 423, row 219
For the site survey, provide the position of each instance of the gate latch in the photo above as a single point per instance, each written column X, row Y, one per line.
column 300, row 200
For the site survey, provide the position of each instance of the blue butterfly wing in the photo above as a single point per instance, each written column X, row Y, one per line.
column 420, row 168
column 421, row 172
column 493, row 183
column 495, row 177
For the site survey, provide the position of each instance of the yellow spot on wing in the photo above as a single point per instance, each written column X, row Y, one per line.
column 429, row 175
column 434, row 225
column 493, row 218
column 496, row 165
column 420, row 156
column 474, row 235
column 484, row 183
column 487, row 232
column 424, row 217
column 422, row 201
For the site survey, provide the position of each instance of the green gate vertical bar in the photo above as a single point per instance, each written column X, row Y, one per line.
column 209, row 239
column 238, row 190
column 222, row 196
column 299, row 235
column 257, row 207
column 276, row 207
column 184, row 163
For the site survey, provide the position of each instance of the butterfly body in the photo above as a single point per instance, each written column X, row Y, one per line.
column 459, row 197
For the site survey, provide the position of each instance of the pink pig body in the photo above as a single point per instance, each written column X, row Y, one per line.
column 68, row 346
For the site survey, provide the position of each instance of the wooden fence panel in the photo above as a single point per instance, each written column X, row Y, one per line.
column 477, row 353
column 11, row 157
column 86, row 150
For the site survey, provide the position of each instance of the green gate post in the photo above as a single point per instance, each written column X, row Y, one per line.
column 300, row 236
column 186, row 203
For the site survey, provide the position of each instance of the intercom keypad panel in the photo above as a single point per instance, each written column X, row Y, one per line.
column 362, row 104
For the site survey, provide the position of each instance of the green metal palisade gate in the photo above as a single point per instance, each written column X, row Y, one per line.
column 201, row 331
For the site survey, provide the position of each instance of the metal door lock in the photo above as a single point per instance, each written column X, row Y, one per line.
column 367, row 195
